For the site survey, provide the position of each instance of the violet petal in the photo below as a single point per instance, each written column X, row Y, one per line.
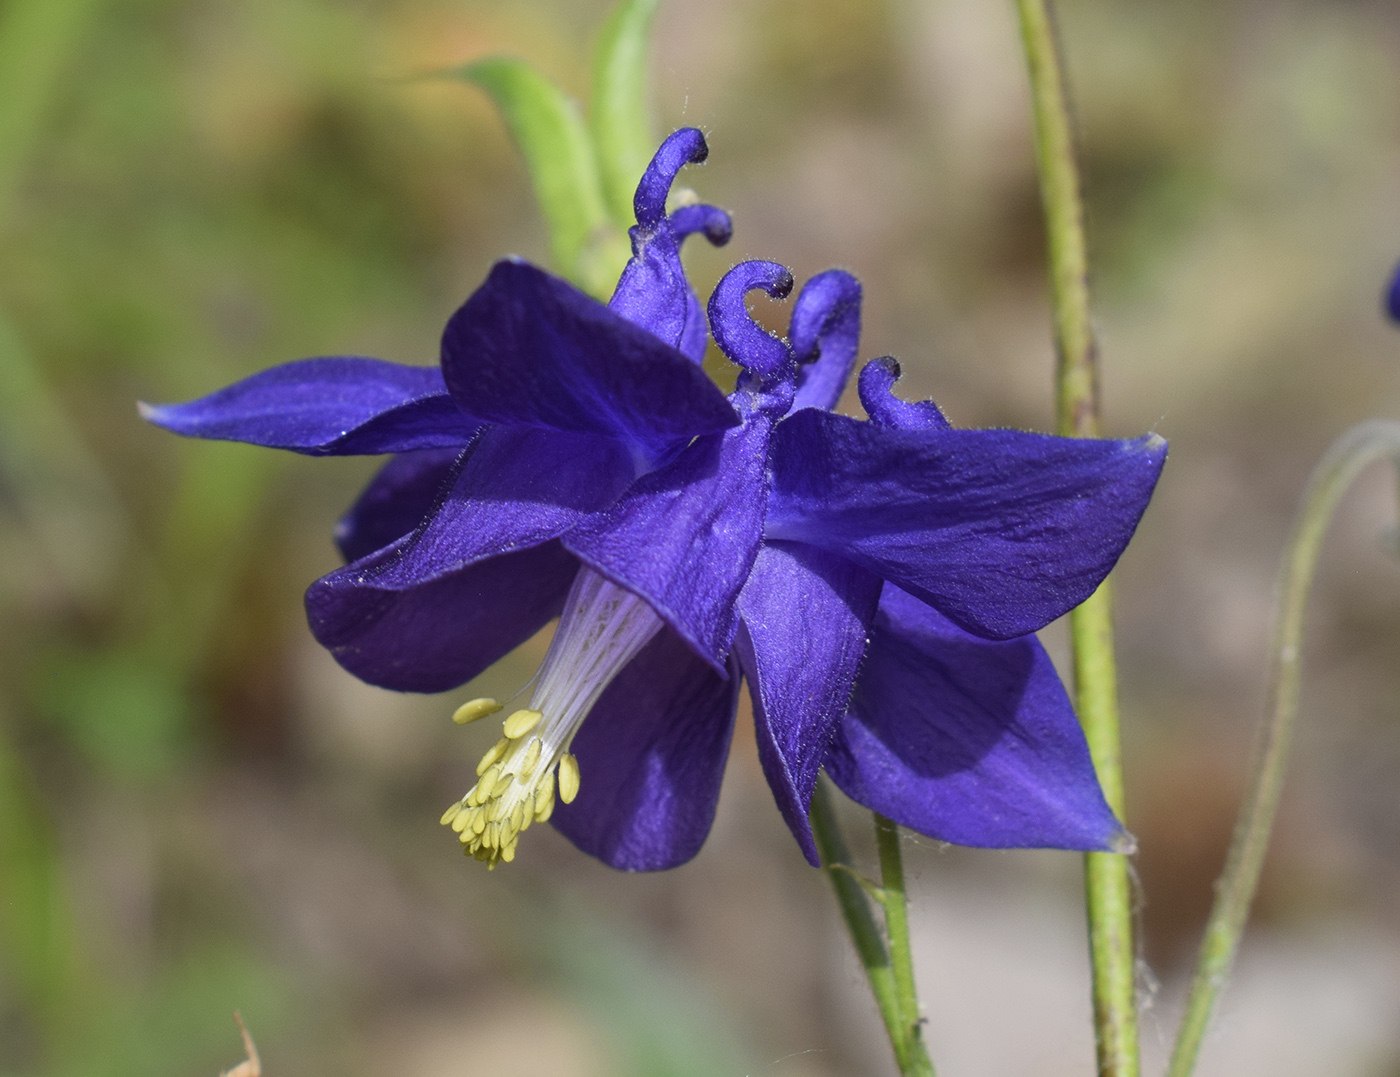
column 654, row 292
column 531, row 349
column 967, row 740
column 443, row 632
column 1001, row 530
column 397, row 500
column 326, row 407
column 651, row 754
column 805, row 614
column 390, row 619
column 684, row 537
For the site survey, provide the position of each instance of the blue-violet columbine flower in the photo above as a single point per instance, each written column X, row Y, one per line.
column 570, row 459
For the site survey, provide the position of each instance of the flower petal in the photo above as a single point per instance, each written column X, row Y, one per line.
column 326, row 407
column 685, row 537
column 443, row 632
column 651, row 754
column 461, row 585
column 653, row 291
column 825, row 336
column 528, row 348
column 397, row 500
column 1001, row 530
column 967, row 740
column 805, row 615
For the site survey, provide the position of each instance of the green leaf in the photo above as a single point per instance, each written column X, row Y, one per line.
column 619, row 115
column 552, row 137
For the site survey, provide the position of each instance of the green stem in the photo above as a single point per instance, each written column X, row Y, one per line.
column 1076, row 375
column 1108, row 891
column 1361, row 445
column 897, row 932
column 874, row 956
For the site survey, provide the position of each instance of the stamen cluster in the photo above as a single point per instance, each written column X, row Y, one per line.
column 602, row 629
column 512, row 789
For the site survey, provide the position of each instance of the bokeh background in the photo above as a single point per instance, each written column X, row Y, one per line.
column 200, row 812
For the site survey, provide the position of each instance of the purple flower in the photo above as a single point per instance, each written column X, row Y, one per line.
column 1392, row 296
column 571, row 460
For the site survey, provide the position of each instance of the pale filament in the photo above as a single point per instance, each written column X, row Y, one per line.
column 603, row 627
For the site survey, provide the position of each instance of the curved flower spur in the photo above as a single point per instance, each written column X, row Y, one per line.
column 923, row 557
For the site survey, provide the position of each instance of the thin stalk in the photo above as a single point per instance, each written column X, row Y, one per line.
column 1361, row 445
column 870, row 947
column 1108, row 890
column 887, row 839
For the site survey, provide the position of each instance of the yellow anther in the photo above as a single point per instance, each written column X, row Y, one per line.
column 487, row 783
column 532, row 757
column 517, row 818
column 451, row 813
column 508, row 853
column 478, row 822
column 463, row 820
column 544, row 809
column 527, row 814
column 568, row 778
column 474, row 709
column 496, row 751
column 521, row 722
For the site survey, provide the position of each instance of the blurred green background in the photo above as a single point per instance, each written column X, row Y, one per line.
column 200, row 812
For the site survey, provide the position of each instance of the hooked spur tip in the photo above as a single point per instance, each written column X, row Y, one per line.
column 697, row 217
column 680, row 148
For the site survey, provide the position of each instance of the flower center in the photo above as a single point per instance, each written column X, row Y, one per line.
column 603, row 627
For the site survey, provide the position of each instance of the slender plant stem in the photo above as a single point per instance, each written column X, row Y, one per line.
column 874, row 955
column 1108, row 889
column 1361, row 445
column 887, row 839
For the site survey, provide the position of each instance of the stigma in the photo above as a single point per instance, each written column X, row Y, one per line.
column 531, row 767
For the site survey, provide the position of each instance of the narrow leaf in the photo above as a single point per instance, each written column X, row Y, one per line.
column 619, row 115
column 550, row 132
